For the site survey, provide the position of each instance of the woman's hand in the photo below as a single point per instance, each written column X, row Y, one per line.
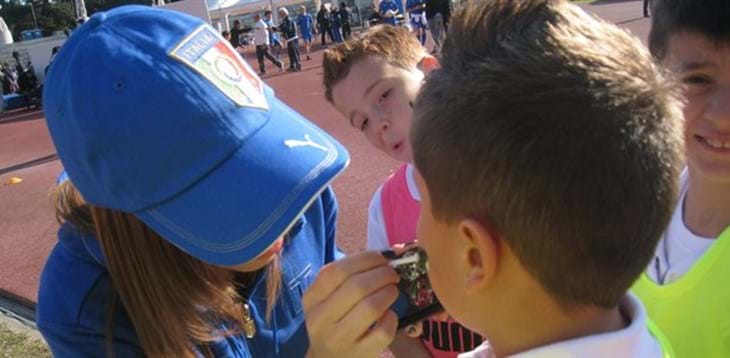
column 346, row 307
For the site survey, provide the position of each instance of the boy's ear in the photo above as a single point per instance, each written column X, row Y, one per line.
column 481, row 254
column 428, row 63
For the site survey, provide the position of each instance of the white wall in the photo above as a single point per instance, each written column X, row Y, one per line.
column 39, row 52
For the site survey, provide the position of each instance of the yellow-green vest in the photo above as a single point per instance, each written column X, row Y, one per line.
column 667, row 350
column 694, row 312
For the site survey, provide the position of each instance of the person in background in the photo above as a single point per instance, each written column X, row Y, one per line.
column 28, row 85
column 435, row 17
column 306, row 28
column 647, row 6
column 336, row 25
column 274, row 38
column 10, row 84
column 685, row 287
column 54, row 51
column 6, row 82
column 374, row 18
column 18, row 65
column 289, row 31
column 447, row 5
column 235, row 35
column 345, row 20
column 388, row 10
column 261, row 40
column 323, row 23
column 417, row 13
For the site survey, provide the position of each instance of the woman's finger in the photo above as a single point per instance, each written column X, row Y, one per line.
column 353, row 292
column 379, row 336
column 331, row 276
column 358, row 321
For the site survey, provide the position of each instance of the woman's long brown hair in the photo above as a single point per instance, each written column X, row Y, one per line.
column 174, row 300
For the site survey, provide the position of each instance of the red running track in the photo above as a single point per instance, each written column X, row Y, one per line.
column 27, row 223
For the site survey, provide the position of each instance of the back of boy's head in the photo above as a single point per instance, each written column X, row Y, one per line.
column 706, row 17
column 558, row 130
column 395, row 45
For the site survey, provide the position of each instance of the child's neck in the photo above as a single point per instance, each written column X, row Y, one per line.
column 707, row 206
column 536, row 325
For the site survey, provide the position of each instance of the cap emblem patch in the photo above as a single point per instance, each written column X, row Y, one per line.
column 211, row 56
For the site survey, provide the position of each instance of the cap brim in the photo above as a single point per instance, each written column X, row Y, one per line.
column 240, row 208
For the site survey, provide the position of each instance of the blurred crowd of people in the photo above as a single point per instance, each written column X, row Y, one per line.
column 269, row 38
column 334, row 23
column 20, row 79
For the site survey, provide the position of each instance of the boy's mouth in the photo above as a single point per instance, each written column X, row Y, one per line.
column 397, row 146
column 714, row 144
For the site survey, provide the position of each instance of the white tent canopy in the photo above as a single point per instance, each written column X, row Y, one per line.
column 218, row 9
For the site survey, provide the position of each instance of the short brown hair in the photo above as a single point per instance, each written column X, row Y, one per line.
column 559, row 130
column 394, row 44
column 706, row 17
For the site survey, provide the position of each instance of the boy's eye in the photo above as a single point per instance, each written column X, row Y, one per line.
column 697, row 84
column 694, row 80
column 384, row 96
column 364, row 124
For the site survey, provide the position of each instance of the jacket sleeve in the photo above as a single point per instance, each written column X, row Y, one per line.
column 74, row 341
column 329, row 203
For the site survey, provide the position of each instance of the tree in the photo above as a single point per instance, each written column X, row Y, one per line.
column 93, row 6
column 56, row 17
column 51, row 16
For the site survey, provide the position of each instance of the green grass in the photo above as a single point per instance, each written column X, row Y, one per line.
column 14, row 344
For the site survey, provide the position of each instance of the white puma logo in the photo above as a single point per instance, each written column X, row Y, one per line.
column 291, row 143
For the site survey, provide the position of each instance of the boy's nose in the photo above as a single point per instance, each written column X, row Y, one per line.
column 384, row 125
column 718, row 108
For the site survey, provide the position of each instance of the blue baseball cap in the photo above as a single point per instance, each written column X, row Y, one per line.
column 153, row 113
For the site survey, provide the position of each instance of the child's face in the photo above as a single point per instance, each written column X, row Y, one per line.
column 376, row 97
column 704, row 67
